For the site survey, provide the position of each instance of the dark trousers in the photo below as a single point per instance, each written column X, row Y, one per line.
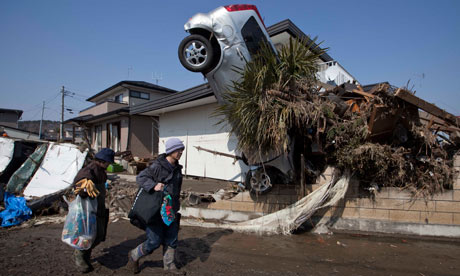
column 160, row 234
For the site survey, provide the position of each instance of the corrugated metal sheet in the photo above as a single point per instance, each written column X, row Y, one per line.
column 22, row 175
column 57, row 170
column 6, row 152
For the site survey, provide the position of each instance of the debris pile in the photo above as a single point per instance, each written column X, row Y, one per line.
column 382, row 140
column 120, row 194
column 132, row 164
column 377, row 132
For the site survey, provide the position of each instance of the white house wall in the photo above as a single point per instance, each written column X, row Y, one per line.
column 198, row 127
column 333, row 71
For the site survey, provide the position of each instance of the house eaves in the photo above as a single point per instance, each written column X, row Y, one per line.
column 85, row 119
column 287, row 26
column 192, row 94
column 131, row 85
column 6, row 110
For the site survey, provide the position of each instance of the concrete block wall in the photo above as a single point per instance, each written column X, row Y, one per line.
column 392, row 210
column 277, row 199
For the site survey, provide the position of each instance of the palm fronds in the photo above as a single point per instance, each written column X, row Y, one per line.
column 272, row 98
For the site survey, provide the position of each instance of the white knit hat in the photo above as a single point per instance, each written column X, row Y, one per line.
column 173, row 144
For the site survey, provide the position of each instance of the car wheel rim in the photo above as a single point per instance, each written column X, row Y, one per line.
column 196, row 53
column 260, row 182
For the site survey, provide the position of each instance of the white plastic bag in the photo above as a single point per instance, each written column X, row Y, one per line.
column 80, row 227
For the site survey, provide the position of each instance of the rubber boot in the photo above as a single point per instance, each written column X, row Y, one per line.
column 82, row 263
column 168, row 261
column 133, row 259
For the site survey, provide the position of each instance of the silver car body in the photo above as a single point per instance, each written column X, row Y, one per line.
column 226, row 27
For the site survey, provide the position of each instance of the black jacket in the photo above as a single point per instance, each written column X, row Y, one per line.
column 161, row 171
column 99, row 177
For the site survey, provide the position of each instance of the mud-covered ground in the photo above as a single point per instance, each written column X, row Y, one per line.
column 38, row 251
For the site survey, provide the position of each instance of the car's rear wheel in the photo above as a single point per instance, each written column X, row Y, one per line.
column 196, row 53
column 259, row 181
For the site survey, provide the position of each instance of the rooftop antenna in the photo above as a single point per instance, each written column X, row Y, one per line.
column 157, row 77
column 130, row 68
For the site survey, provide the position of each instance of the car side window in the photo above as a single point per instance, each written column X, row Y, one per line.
column 253, row 36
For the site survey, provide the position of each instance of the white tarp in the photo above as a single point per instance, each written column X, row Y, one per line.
column 6, row 152
column 57, row 170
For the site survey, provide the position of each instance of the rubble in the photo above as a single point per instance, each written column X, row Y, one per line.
column 375, row 131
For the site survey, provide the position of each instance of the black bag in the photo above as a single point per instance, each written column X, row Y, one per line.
column 145, row 207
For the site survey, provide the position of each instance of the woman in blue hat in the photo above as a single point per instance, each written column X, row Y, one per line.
column 90, row 181
column 164, row 231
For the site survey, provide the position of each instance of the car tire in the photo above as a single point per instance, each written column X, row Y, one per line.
column 260, row 181
column 196, row 53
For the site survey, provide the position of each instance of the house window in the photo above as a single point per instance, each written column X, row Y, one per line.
column 140, row 95
column 119, row 98
column 98, row 137
column 113, row 136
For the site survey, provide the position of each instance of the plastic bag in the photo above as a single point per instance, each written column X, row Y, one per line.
column 167, row 212
column 80, row 227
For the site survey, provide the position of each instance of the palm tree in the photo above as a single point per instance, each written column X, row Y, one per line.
column 275, row 99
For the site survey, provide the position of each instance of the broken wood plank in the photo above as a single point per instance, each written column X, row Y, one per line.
column 362, row 93
column 46, row 200
column 444, row 128
column 427, row 117
column 236, row 157
column 326, row 86
column 426, row 106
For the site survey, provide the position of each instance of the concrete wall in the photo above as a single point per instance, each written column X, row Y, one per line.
column 144, row 136
column 394, row 211
column 390, row 211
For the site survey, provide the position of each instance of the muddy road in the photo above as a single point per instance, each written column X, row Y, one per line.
column 38, row 251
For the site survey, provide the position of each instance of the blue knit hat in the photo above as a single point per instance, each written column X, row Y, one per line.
column 173, row 144
column 105, row 154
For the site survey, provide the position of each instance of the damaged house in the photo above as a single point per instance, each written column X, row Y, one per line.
column 189, row 115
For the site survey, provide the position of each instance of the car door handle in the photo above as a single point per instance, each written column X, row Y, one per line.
column 238, row 51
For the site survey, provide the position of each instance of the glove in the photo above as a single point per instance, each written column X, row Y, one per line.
column 86, row 186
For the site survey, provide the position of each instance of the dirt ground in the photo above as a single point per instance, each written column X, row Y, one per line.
column 38, row 251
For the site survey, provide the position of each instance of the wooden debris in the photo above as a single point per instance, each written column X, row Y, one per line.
column 426, row 106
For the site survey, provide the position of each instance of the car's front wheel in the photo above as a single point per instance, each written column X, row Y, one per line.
column 196, row 53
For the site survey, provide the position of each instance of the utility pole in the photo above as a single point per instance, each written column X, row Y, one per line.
column 61, row 132
column 41, row 122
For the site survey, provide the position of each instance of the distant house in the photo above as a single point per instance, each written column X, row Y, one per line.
column 10, row 117
column 108, row 123
column 330, row 70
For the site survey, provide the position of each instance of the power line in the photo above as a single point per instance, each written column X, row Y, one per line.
column 78, row 93
column 78, row 99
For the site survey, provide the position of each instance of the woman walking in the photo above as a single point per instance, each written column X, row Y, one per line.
column 164, row 230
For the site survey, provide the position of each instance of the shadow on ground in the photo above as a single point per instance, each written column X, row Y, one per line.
column 189, row 249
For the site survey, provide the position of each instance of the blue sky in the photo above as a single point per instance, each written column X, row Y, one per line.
column 88, row 46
